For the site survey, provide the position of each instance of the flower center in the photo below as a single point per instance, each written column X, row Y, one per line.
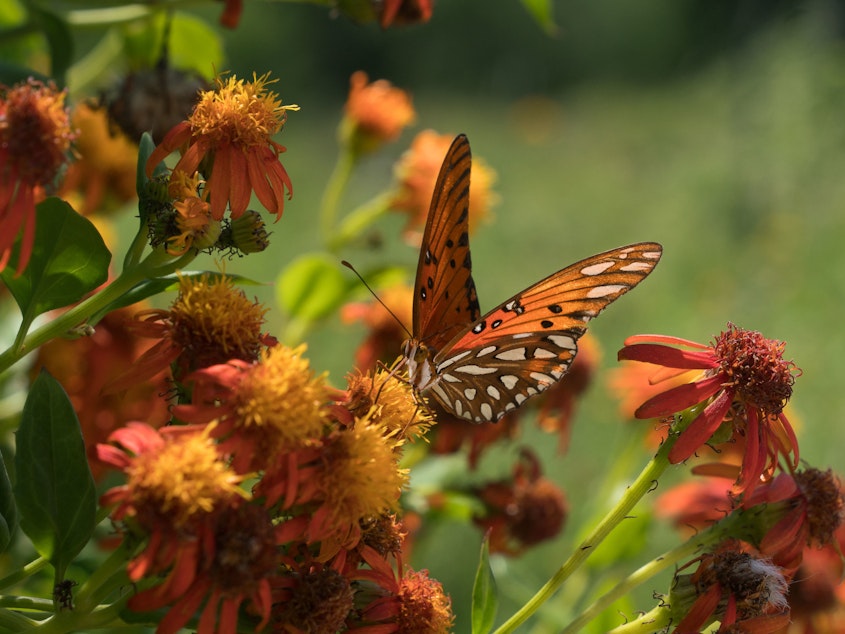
column 756, row 367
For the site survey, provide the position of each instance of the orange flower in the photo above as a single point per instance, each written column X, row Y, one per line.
column 210, row 322
column 231, row 13
column 83, row 366
column 523, row 511
column 231, row 128
column 743, row 379
column 375, row 112
column 35, row 138
column 417, row 171
column 404, row 12
column 409, row 602
column 386, row 334
column 104, row 174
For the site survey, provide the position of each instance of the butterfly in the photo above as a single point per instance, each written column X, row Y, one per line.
column 477, row 367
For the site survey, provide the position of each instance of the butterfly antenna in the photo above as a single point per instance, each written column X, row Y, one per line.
column 378, row 299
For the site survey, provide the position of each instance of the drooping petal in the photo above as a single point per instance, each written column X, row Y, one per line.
column 679, row 398
column 218, row 184
column 702, row 428
column 178, row 135
column 667, row 356
column 239, row 183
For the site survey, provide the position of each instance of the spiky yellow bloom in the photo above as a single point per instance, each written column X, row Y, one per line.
column 174, row 478
column 388, row 401
column 210, row 322
column 359, row 477
column 262, row 409
column 231, row 128
column 194, row 224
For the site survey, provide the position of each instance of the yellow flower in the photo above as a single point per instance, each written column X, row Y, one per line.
column 231, row 129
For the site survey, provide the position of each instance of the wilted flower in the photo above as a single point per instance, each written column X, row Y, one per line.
column 744, row 379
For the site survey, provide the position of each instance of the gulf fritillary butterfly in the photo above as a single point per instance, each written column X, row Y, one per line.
column 480, row 368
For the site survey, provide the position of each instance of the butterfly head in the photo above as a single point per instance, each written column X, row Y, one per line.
column 419, row 357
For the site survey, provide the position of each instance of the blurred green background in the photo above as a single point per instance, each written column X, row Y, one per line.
column 716, row 128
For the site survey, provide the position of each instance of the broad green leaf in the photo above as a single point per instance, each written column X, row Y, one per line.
column 59, row 40
column 192, row 44
column 311, row 287
column 541, row 11
column 8, row 509
column 69, row 259
column 54, row 488
column 485, row 597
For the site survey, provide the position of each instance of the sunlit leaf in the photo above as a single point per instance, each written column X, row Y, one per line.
column 311, row 287
column 485, row 598
column 54, row 488
column 542, row 12
column 69, row 259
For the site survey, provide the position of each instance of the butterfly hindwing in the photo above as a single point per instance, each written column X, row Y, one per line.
column 445, row 299
column 527, row 343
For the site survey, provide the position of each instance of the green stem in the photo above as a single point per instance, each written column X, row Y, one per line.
column 642, row 485
column 334, row 188
column 657, row 620
column 655, row 566
column 359, row 219
column 22, row 573
column 157, row 264
column 108, row 576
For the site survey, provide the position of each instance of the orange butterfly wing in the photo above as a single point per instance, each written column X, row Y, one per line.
column 445, row 300
column 527, row 344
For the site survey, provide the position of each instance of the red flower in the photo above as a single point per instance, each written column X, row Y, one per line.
column 744, row 380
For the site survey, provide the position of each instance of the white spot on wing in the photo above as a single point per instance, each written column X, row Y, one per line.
column 486, row 411
column 509, row 380
column 541, row 378
column 604, row 291
column 450, row 360
column 542, row 353
column 562, row 341
column 510, row 406
column 469, row 393
column 450, row 378
column 517, row 354
column 459, row 407
column 522, row 335
column 520, row 398
column 651, row 255
column 441, row 393
column 474, row 370
column 636, row 266
column 486, row 351
column 595, row 269
column 493, row 392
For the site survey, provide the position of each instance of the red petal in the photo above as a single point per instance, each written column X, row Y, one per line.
column 258, row 178
column 239, row 183
column 668, row 356
column 218, row 184
column 702, row 428
column 679, row 398
column 179, row 134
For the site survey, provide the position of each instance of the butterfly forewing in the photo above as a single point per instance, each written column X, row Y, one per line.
column 445, row 300
column 479, row 368
column 526, row 344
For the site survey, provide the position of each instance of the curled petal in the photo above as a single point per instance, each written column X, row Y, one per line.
column 702, row 428
column 680, row 398
column 668, row 356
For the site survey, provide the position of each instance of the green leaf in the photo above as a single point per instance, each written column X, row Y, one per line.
column 8, row 509
column 311, row 287
column 192, row 45
column 54, row 488
column 485, row 598
column 69, row 259
column 541, row 11
column 59, row 39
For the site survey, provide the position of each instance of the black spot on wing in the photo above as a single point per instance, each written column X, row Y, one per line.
column 555, row 309
column 547, row 323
